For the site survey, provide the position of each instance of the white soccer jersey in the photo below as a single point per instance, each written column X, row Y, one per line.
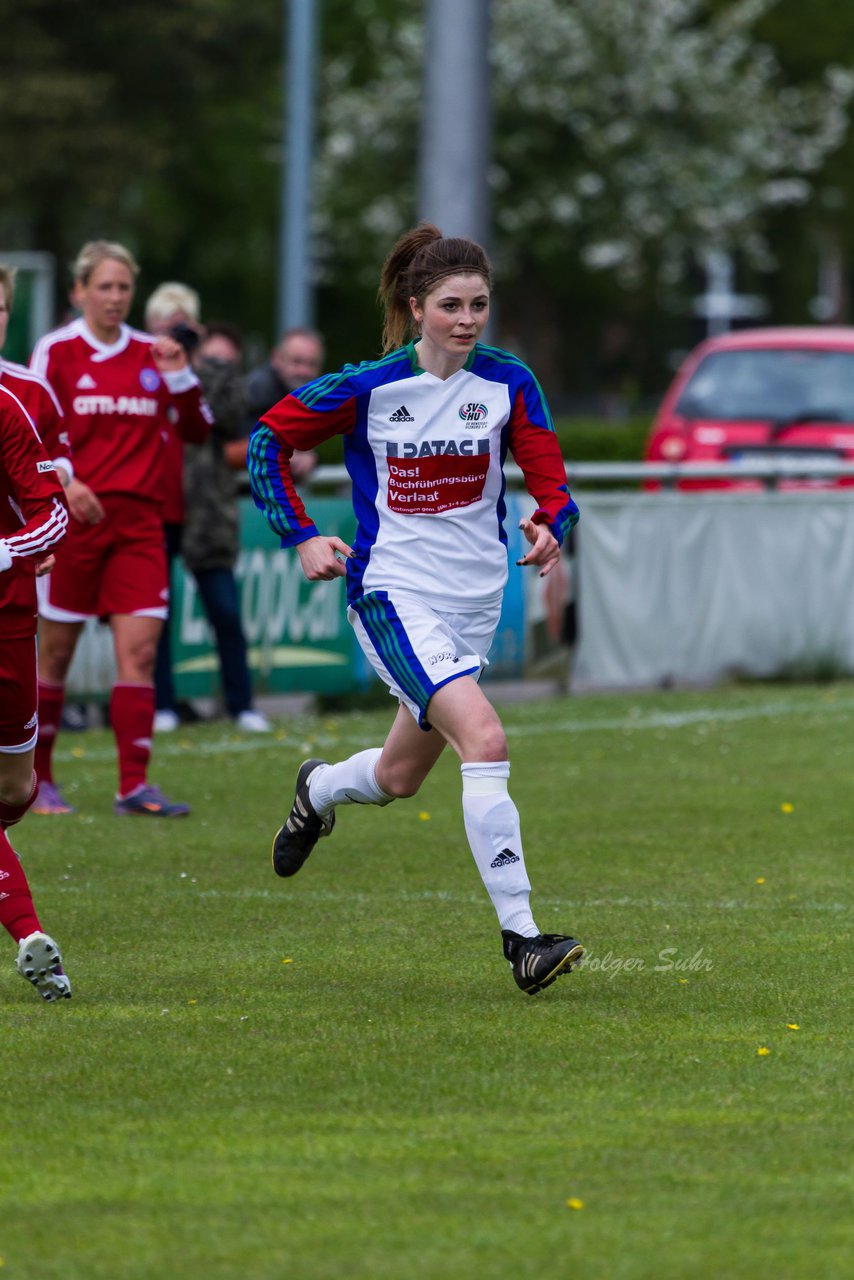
column 426, row 457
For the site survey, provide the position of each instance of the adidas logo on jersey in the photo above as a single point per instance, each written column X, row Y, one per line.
column 401, row 415
column 505, row 858
column 86, row 383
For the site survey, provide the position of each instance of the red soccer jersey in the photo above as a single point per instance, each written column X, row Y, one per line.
column 33, row 517
column 118, row 407
column 39, row 399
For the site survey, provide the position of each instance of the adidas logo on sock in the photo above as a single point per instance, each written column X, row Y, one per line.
column 401, row 415
column 504, row 859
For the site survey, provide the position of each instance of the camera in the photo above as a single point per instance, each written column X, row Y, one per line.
column 187, row 337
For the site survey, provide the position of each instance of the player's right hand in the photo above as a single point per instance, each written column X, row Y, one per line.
column 83, row 503
column 321, row 558
column 45, row 565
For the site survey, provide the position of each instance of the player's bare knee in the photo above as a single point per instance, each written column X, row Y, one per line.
column 489, row 744
column 399, row 781
column 402, row 787
column 15, row 790
column 54, row 662
column 137, row 665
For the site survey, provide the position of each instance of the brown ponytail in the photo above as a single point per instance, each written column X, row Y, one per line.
column 421, row 258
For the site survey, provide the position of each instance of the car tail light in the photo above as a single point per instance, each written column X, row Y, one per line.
column 673, row 448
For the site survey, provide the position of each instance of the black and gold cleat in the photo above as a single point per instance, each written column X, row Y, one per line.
column 296, row 839
column 538, row 961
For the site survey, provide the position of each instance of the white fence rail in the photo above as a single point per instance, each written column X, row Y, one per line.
column 769, row 470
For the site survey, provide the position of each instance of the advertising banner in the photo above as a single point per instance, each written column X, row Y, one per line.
column 297, row 632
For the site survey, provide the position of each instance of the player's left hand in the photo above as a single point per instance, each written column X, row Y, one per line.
column 323, row 558
column 545, row 549
column 45, row 565
column 169, row 355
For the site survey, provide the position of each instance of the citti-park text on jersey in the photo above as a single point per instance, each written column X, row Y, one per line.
column 142, row 406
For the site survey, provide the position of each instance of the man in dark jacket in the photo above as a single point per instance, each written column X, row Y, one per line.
column 210, row 540
column 296, row 359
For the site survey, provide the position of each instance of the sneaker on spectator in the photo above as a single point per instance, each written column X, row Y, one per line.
column 75, row 717
column 148, row 801
column 166, row 721
column 253, row 722
column 188, row 714
column 51, row 800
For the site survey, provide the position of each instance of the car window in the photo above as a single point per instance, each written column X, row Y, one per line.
column 772, row 384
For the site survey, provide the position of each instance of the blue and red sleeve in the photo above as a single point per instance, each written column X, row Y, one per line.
column 534, row 445
column 290, row 425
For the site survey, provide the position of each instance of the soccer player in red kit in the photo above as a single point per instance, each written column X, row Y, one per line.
column 119, row 390
column 36, row 395
column 33, row 519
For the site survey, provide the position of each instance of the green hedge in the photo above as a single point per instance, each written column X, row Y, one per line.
column 601, row 440
column 581, row 440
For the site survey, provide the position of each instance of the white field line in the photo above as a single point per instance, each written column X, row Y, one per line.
column 190, row 886
column 303, row 742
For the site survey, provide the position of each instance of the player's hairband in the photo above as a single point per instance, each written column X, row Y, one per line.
column 452, row 271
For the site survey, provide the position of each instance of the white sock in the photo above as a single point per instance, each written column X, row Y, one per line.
column 492, row 827
column 352, row 781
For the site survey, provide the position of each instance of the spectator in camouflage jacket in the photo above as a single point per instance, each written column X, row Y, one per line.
column 210, row 540
column 211, row 534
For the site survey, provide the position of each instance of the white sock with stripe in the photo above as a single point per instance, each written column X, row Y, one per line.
column 351, row 781
column 494, row 833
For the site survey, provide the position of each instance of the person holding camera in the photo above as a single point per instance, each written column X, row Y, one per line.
column 173, row 311
column 201, row 515
column 120, row 390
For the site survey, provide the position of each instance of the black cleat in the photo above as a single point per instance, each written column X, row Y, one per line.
column 538, row 961
column 296, row 839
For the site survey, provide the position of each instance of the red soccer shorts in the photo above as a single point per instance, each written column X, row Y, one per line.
column 18, row 695
column 115, row 566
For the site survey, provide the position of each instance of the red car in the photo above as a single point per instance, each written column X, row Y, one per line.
column 743, row 398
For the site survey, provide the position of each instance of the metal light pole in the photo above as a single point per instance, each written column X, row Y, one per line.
column 454, row 158
column 295, row 301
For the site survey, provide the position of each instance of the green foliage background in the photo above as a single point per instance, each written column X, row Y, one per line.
column 160, row 125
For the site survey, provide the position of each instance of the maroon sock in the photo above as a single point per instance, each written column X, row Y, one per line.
column 51, row 699
column 17, row 913
column 12, row 813
column 132, row 717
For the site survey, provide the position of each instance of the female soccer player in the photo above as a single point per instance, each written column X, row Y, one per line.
column 426, row 429
column 36, row 395
column 119, row 390
column 33, row 519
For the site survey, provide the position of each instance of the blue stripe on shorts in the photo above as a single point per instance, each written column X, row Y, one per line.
column 388, row 636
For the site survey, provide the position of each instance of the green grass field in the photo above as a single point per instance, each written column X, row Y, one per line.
column 335, row 1076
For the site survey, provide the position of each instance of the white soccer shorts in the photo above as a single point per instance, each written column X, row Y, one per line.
column 415, row 649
